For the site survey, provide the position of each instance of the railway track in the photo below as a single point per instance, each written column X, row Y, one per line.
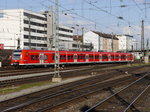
column 5, row 73
column 28, row 78
column 42, row 75
column 124, row 100
column 69, row 91
column 54, row 97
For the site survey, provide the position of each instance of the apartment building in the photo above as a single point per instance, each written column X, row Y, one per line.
column 26, row 29
column 126, row 43
column 65, row 37
column 101, row 41
column 23, row 29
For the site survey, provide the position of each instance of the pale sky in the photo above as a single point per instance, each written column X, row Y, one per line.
column 108, row 16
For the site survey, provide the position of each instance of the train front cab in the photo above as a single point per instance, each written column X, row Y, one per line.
column 16, row 57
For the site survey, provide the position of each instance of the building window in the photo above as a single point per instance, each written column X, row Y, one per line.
column 34, row 30
column 65, row 30
column 35, row 38
column 74, row 45
column 34, row 16
column 26, row 44
column 62, row 35
column 35, row 24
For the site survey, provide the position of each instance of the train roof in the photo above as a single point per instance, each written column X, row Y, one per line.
column 71, row 51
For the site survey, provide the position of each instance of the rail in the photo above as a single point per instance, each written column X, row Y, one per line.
column 106, row 99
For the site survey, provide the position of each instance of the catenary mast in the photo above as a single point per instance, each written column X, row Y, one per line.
column 56, row 77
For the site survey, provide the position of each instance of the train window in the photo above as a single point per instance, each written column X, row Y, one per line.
column 123, row 57
column 32, row 57
column 96, row 57
column 79, row 56
column 64, row 57
column 112, row 57
column 36, row 57
column 69, row 57
column 72, row 57
column 117, row 56
column 91, row 57
column 83, row 56
column 53, row 56
column 104, row 57
column 16, row 55
column 60, row 57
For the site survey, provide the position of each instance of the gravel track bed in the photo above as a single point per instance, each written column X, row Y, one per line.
column 41, row 94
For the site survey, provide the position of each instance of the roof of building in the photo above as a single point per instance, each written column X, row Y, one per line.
column 106, row 35
column 125, row 35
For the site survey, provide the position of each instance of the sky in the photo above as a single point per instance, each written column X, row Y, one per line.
column 109, row 16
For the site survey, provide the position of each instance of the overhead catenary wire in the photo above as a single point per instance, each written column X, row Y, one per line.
column 98, row 24
column 109, row 13
column 142, row 10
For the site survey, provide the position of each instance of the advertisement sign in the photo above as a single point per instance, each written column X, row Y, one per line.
column 1, row 46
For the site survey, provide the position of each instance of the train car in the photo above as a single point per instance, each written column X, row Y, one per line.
column 47, row 57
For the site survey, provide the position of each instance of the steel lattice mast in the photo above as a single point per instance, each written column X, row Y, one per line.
column 56, row 38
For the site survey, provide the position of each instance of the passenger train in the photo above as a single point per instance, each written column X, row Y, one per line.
column 47, row 57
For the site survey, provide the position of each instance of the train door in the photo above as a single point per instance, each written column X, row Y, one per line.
column 100, row 57
column 87, row 57
column 109, row 57
column 75, row 58
column 126, row 57
column 119, row 57
column 41, row 58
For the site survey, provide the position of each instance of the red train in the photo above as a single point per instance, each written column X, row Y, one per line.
column 46, row 57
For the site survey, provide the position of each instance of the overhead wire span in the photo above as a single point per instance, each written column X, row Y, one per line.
column 98, row 24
